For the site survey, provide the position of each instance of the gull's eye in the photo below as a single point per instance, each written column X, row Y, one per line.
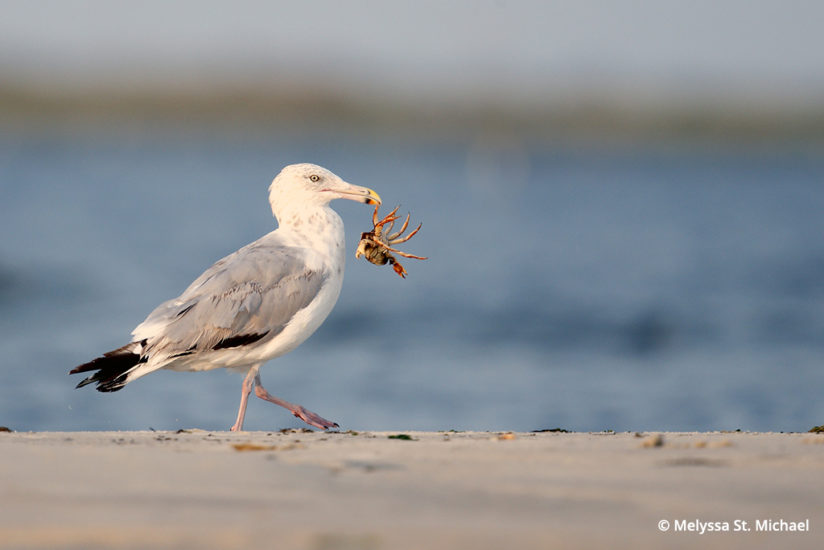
column 314, row 177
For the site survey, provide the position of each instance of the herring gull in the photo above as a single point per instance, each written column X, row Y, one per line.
column 253, row 305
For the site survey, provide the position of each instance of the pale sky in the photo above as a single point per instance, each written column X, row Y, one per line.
column 527, row 47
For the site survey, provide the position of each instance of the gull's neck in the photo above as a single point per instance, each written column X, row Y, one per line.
column 317, row 227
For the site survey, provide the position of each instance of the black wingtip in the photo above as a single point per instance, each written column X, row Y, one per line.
column 112, row 368
column 83, row 368
column 104, row 384
column 84, row 382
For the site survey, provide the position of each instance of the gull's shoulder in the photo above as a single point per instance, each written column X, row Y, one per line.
column 271, row 267
column 275, row 255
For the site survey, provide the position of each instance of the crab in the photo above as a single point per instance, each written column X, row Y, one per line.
column 376, row 245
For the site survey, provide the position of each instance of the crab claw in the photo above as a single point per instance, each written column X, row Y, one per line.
column 399, row 269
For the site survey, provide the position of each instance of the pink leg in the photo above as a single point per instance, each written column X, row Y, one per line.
column 248, row 383
column 304, row 414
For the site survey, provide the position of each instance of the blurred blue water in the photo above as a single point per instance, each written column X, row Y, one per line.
column 591, row 288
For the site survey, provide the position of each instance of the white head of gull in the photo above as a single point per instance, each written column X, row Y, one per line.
column 253, row 305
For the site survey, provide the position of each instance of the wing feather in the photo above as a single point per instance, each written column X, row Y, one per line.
column 247, row 297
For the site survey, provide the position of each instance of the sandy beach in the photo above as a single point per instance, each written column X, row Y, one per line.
column 314, row 490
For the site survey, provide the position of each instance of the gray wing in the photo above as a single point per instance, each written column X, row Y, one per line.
column 247, row 296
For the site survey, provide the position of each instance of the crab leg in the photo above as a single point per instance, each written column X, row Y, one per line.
column 404, row 239
column 399, row 233
column 394, row 217
column 404, row 254
column 390, row 215
column 391, row 225
column 390, row 218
